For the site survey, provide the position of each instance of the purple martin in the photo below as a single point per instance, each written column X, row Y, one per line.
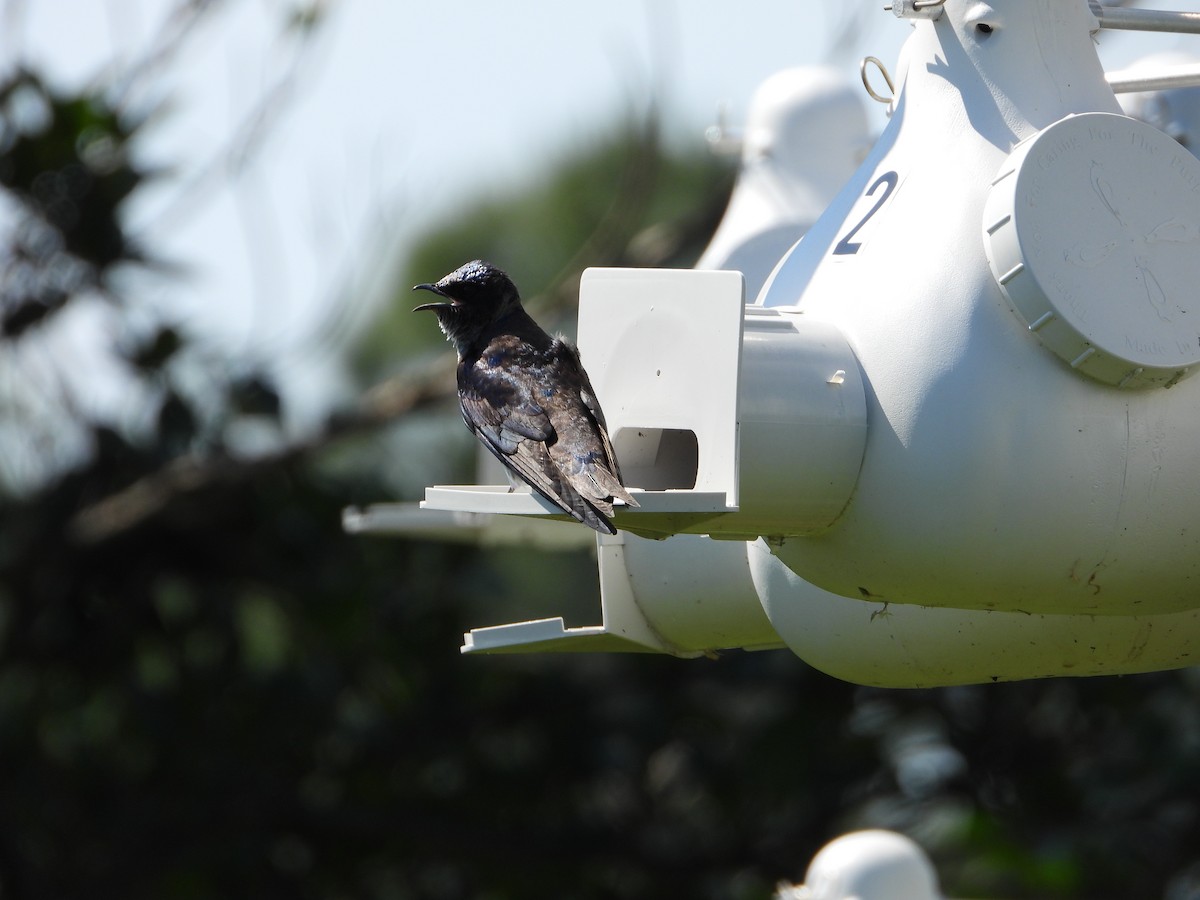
column 526, row 396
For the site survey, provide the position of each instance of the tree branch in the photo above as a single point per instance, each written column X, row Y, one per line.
column 152, row 494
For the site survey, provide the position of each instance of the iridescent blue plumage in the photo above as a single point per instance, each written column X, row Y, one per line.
column 526, row 395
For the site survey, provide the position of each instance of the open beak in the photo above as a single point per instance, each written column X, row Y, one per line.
column 445, row 303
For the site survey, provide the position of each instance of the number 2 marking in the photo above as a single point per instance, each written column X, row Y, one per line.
column 846, row 246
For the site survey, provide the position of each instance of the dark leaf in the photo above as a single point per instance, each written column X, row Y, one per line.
column 177, row 425
column 153, row 354
column 29, row 312
column 256, row 396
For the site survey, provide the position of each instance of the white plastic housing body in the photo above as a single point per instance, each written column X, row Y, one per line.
column 995, row 476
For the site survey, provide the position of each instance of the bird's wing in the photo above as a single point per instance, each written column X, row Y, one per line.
column 607, row 475
column 515, row 428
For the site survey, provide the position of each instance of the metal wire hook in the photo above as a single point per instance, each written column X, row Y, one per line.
column 916, row 9
column 871, row 92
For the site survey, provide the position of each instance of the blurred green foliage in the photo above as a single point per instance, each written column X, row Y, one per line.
column 211, row 691
column 65, row 161
column 617, row 200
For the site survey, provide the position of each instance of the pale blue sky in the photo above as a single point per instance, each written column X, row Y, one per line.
column 402, row 109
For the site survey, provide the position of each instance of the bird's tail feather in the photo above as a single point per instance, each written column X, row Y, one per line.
column 607, row 486
column 590, row 512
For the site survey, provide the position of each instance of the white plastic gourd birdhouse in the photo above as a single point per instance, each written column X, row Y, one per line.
column 957, row 437
column 806, row 132
column 868, row 865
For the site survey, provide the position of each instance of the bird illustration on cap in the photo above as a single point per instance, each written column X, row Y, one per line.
column 526, row 396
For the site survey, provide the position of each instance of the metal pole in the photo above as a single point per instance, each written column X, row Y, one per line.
column 1147, row 19
column 1178, row 77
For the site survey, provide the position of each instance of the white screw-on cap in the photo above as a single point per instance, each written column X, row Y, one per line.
column 1092, row 229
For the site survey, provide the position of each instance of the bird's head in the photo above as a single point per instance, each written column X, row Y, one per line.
column 472, row 297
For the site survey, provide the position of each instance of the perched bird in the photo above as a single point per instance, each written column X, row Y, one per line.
column 526, row 396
